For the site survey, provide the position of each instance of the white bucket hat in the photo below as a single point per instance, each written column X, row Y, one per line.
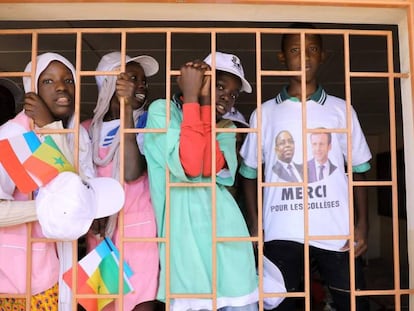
column 112, row 61
column 67, row 205
column 236, row 116
column 232, row 64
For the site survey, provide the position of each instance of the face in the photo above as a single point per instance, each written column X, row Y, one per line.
column 320, row 147
column 136, row 75
column 227, row 91
column 290, row 56
column 57, row 89
column 285, row 147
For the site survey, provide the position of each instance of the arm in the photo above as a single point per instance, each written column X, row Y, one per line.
column 192, row 141
column 36, row 109
column 220, row 160
column 195, row 139
column 17, row 212
column 134, row 162
column 361, row 216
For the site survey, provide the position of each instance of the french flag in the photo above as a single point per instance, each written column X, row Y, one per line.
column 13, row 153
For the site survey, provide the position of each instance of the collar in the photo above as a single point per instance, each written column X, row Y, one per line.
column 319, row 96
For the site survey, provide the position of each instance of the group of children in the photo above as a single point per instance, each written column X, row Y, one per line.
column 184, row 151
column 50, row 104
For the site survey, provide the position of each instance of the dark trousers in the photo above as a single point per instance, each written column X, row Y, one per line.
column 332, row 266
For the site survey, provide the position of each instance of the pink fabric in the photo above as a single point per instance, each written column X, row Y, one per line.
column 13, row 251
column 139, row 222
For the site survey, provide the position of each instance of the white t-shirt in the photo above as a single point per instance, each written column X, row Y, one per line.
column 283, row 206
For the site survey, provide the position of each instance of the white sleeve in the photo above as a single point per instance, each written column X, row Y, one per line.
column 248, row 150
column 86, row 167
column 17, row 212
column 360, row 149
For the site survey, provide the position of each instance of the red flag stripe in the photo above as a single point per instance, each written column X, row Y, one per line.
column 15, row 169
column 42, row 170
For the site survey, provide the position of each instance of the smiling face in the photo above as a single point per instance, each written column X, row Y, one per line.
column 228, row 87
column 57, row 89
column 285, row 146
column 136, row 74
column 291, row 51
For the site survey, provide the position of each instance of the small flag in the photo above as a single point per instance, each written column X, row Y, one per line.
column 98, row 273
column 47, row 161
column 12, row 161
column 30, row 163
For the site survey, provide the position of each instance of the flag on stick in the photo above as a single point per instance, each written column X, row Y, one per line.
column 31, row 163
column 98, row 273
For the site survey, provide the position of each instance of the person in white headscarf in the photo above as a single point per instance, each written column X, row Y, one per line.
column 49, row 103
column 131, row 89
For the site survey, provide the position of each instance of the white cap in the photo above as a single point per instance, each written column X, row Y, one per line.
column 236, row 116
column 112, row 61
column 67, row 205
column 13, row 87
column 273, row 282
column 42, row 61
column 230, row 63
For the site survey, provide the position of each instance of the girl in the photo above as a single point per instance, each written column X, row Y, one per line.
column 139, row 219
column 186, row 149
column 50, row 106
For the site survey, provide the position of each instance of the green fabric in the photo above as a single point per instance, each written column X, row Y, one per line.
column 191, row 214
column 247, row 171
column 362, row 168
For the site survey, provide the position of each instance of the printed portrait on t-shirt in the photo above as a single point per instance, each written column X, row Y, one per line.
column 320, row 166
column 285, row 168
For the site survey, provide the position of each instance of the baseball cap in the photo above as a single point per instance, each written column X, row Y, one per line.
column 236, row 116
column 273, row 282
column 13, row 87
column 232, row 64
column 112, row 60
column 67, row 205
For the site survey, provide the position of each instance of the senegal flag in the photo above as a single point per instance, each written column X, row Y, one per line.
column 47, row 161
column 31, row 163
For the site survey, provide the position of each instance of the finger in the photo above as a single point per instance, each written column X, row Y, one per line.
column 205, row 66
column 360, row 248
column 345, row 247
column 123, row 76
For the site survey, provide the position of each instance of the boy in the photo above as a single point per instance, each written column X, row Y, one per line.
column 186, row 149
column 328, row 200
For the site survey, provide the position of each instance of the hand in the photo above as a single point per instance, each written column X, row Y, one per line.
column 36, row 109
column 98, row 226
column 205, row 94
column 191, row 80
column 361, row 240
column 125, row 88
